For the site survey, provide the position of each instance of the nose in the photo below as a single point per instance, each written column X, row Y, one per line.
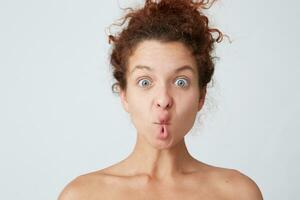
column 163, row 100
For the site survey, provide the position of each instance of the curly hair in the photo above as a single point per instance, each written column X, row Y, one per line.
column 166, row 21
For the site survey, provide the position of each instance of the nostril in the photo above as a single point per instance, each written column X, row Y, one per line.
column 166, row 106
column 166, row 103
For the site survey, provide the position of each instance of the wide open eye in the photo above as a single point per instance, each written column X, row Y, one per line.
column 181, row 82
column 144, row 82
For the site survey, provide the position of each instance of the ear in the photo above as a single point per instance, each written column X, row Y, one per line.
column 201, row 99
column 124, row 100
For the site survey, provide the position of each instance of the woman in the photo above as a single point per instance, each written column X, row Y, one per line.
column 162, row 64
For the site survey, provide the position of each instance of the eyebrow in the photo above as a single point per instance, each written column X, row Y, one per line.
column 185, row 67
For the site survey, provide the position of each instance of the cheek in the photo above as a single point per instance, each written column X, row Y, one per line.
column 188, row 108
column 136, row 102
column 138, row 109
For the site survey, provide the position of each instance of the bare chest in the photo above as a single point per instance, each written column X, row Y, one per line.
column 159, row 193
column 165, row 196
column 137, row 188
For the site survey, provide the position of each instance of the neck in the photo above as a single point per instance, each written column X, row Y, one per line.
column 159, row 164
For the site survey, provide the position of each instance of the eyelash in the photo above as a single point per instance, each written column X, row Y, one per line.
column 179, row 78
column 144, row 78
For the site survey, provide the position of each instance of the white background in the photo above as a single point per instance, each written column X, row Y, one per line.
column 59, row 118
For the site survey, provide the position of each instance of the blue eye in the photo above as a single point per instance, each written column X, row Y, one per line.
column 181, row 82
column 144, row 82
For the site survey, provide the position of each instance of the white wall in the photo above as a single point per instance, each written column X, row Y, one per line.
column 58, row 116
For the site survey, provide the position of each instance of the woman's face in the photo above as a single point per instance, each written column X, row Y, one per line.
column 162, row 94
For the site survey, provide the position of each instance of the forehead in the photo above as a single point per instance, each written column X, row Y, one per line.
column 161, row 56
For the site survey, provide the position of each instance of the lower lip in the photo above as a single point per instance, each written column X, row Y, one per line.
column 163, row 132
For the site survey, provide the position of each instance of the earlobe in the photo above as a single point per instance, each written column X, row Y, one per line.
column 201, row 99
column 201, row 102
column 124, row 100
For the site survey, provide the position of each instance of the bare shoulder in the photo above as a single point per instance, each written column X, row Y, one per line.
column 245, row 187
column 72, row 190
column 236, row 185
column 83, row 187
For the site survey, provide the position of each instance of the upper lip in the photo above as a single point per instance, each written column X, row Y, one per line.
column 163, row 119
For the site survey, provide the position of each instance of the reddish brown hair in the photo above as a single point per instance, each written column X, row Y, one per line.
column 166, row 21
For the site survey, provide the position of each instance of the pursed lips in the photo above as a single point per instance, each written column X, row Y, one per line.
column 163, row 119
